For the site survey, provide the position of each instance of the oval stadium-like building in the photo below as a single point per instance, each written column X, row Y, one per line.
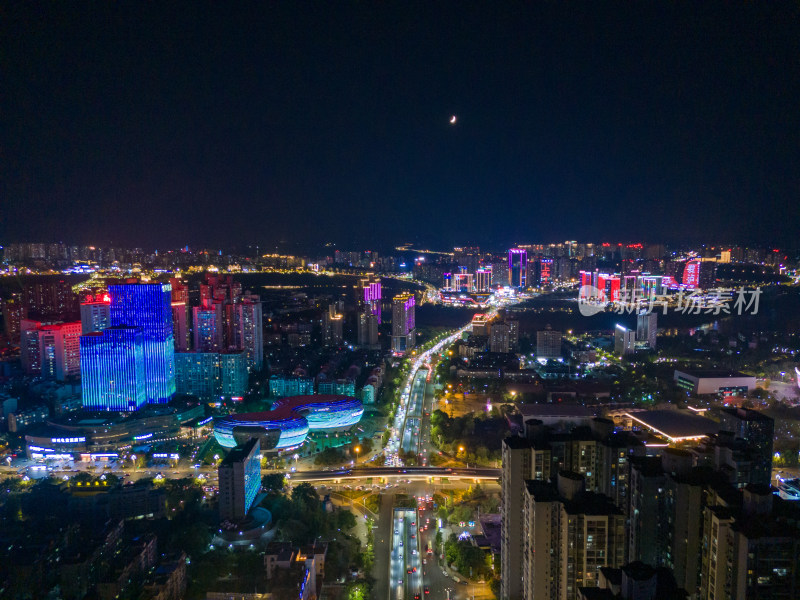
column 288, row 423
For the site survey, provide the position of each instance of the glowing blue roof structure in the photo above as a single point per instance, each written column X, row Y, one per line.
column 288, row 423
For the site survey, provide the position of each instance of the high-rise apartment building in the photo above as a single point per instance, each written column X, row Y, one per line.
column 758, row 430
column 113, row 371
column 95, row 313
column 51, row 350
column 752, row 551
column 371, row 294
column 211, row 376
column 500, row 272
column 239, row 480
column 332, row 327
column 403, row 322
column 624, row 340
column 228, row 319
column 646, row 505
column 208, row 330
column 468, row 257
column 368, row 329
column 148, row 307
column 598, row 458
column 504, row 336
column 248, row 324
column 569, row 535
column 646, row 328
column 30, row 349
column 13, row 314
column 548, row 343
column 180, row 315
column 50, row 298
column 522, row 460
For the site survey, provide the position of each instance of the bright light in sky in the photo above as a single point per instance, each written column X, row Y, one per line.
column 453, row 120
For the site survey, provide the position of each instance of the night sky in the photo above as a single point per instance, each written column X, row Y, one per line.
column 177, row 123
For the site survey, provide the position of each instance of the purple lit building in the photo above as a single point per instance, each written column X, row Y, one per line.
column 518, row 268
column 371, row 295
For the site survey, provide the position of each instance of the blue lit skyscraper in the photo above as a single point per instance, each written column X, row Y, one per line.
column 148, row 307
column 239, row 480
column 112, row 369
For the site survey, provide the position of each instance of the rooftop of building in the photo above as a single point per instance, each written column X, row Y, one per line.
column 542, row 491
column 648, row 466
column 283, row 551
column 675, row 425
column 584, row 503
column 240, row 453
column 590, row 503
column 514, row 442
column 555, row 410
column 612, row 574
column 86, row 418
column 492, row 530
column 746, row 414
column 289, row 408
column 755, row 527
column 711, row 373
column 593, row 593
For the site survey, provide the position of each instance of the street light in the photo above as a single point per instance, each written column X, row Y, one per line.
column 358, row 450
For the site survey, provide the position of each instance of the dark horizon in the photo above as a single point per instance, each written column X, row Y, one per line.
column 158, row 126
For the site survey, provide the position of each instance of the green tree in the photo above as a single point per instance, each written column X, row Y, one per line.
column 273, row 482
column 83, row 478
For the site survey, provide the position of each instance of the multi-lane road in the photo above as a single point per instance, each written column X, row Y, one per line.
column 393, row 473
column 405, row 570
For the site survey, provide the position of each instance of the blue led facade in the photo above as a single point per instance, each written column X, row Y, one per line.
column 252, row 478
column 148, row 307
column 290, row 421
column 112, row 369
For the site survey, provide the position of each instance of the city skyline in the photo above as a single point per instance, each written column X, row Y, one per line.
column 158, row 126
column 404, row 301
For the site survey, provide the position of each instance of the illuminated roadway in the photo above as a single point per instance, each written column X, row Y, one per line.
column 405, row 569
column 413, row 422
column 420, row 361
column 414, row 473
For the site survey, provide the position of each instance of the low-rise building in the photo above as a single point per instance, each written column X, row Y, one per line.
column 708, row 382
